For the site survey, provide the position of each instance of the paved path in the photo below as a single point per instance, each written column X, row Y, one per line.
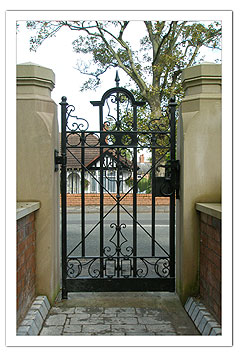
column 150, row 313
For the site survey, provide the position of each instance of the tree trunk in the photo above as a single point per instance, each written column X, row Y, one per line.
column 155, row 106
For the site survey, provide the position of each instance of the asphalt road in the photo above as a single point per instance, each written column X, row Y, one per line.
column 92, row 231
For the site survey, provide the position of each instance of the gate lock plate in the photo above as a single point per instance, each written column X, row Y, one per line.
column 167, row 185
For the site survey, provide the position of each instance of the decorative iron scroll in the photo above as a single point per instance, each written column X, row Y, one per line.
column 81, row 267
column 73, row 122
column 124, row 122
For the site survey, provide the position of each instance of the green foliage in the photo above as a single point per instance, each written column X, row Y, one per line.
column 144, row 185
column 129, row 182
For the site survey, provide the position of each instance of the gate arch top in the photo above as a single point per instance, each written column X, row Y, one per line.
column 118, row 90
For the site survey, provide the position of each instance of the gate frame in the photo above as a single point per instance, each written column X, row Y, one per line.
column 121, row 284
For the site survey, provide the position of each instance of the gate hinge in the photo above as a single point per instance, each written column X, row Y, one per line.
column 58, row 160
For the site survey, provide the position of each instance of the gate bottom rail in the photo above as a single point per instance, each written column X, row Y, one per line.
column 120, row 285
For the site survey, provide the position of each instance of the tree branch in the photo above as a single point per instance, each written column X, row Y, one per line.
column 133, row 73
column 150, row 30
column 123, row 27
column 193, row 55
column 161, row 43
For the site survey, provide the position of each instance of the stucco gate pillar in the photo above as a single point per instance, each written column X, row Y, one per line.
column 199, row 152
column 37, row 137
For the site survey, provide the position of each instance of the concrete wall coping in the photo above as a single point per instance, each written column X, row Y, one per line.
column 213, row 209
column 26, row 208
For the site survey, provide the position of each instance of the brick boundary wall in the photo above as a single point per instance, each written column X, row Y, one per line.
column 94, row 199
column 26, row 265
column 210, row 263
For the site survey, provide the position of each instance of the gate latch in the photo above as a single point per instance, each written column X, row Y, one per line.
column 166, row 186
column 58, row 160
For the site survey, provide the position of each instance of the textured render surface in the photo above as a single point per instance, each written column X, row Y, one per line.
column 201, row 317
column 37, row 138
column 199, row 152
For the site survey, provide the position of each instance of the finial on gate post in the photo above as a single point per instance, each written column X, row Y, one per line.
column 64, row 100
column 117, row 79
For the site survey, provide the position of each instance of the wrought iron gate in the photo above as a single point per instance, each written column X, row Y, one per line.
column 118, row 249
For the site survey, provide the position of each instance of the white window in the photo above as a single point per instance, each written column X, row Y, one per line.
column 93, row 182
column 111, row 181
column 73, row 183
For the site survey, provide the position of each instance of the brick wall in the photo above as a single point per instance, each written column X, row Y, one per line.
column 210, row 263
column 94, row 199
column 26, row 267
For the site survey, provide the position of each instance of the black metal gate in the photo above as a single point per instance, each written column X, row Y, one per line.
column 119, row 248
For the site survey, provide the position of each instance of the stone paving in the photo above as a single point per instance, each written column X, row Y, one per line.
column 118, row 314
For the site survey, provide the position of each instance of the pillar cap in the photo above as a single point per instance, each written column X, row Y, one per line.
column 204, row 69
column 203, row 77
column 30, row 73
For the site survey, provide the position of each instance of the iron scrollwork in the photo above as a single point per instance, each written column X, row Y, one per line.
column 90, row 266
column 73, row 122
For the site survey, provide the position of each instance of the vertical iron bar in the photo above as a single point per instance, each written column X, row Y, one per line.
column 83, row 192
column 72, row 182
column 118, row 195
column 135, row 193
column 172, row 235
column 101, row 191
column 64, row 195
column 172, row 107
column 153, row 192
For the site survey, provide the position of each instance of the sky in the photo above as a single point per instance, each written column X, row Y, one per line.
column 57, row 54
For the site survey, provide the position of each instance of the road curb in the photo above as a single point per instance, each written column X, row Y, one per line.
column 202, row 318
column 33, row 321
